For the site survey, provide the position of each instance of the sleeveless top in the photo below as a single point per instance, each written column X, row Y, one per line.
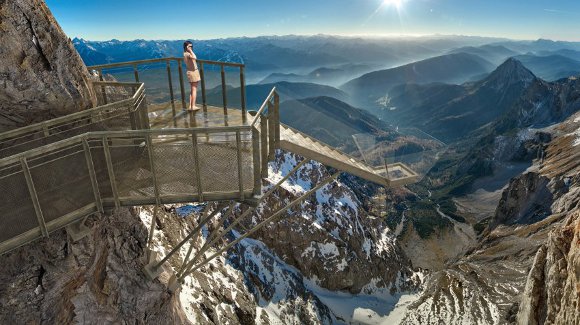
column 190, row 62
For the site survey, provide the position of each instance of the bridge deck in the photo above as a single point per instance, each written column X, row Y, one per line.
column 161, row 117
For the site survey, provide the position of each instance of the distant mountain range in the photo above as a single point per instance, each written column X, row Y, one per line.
column 372, row 89
column 334, row 76
column 255, row 94
column 450, row 112
column 550, row 67
column 281, row 52
column 331, row 120
column 495, row 54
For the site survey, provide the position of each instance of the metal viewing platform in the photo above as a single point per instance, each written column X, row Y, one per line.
column 125, row 152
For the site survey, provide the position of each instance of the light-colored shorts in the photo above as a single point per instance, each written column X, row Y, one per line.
column 193, row 76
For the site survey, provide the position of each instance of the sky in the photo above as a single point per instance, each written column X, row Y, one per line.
column 172, row 19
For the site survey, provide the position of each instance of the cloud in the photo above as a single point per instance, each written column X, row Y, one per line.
column 556, row 11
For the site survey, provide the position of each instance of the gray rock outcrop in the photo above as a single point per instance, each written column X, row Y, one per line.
column 552, row 293
column 41, row 74
column 526, row 200
column 330, row 237
column 97, row 280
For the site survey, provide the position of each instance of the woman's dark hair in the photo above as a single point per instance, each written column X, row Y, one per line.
column 185, row 44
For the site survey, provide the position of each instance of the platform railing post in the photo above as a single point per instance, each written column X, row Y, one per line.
column 271, row 131
column 264, row 145
column 256, row 158
column 110, row 170
column 203, row 97
column 197, row 166
column 136, row 72
column 224, row 93
column 93, row 175
column 149, row 143
column 277, row 126
column 243, row 93
column 181, row 85
column 34, row 197
column 239, row 157
column 103, row 92
column 172, row 96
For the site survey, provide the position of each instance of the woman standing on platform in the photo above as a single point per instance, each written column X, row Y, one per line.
column 192, row 73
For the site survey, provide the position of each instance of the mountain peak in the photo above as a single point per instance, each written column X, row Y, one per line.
column 508, row 73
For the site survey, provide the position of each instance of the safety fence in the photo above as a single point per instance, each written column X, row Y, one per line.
column 128, row 111
column 58, row 172
column 213, row 83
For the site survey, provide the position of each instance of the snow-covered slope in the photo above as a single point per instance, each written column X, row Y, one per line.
column 326, row 262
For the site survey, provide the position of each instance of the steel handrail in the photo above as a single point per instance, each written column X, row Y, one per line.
column 131, row 63
column 99, row 134
column 88, row 112
column 263, row 107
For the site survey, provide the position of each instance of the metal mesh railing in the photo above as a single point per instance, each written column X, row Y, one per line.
column 76, row 175
column 17, row 210
column 55, row 172
column 166, row 81
column 61, row 181
column 175, row 166
column 126, row 113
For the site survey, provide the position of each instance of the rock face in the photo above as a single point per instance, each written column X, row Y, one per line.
column 491, row 283
column 97, row 280
column 528, row 200
column 330, row 237
column 552, row 293
column 41, row 74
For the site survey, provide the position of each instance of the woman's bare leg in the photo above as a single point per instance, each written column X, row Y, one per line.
column 193, row 89
column 193, row 94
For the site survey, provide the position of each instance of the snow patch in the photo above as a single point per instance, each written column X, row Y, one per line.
column 379, row 308
column 577, row 140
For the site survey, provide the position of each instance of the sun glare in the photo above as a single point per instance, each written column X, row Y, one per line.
column 395, row 3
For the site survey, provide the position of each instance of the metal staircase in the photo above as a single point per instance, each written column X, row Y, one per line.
column 295, row 141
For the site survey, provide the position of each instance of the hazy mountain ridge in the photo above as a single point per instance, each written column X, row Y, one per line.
column 450, row 112
column 256, row 93
column 277, row 53
column 370, row 88
column 550, row 67
column 495, row 54
column 334, row 75
column 331, row 121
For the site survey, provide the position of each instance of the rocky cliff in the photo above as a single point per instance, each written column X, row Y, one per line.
column 97, row 280
column 41, row 74
column 330, row 237
column 525, row 266
column 552, row 291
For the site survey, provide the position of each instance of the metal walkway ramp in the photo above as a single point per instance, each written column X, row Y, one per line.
column 390, row 175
